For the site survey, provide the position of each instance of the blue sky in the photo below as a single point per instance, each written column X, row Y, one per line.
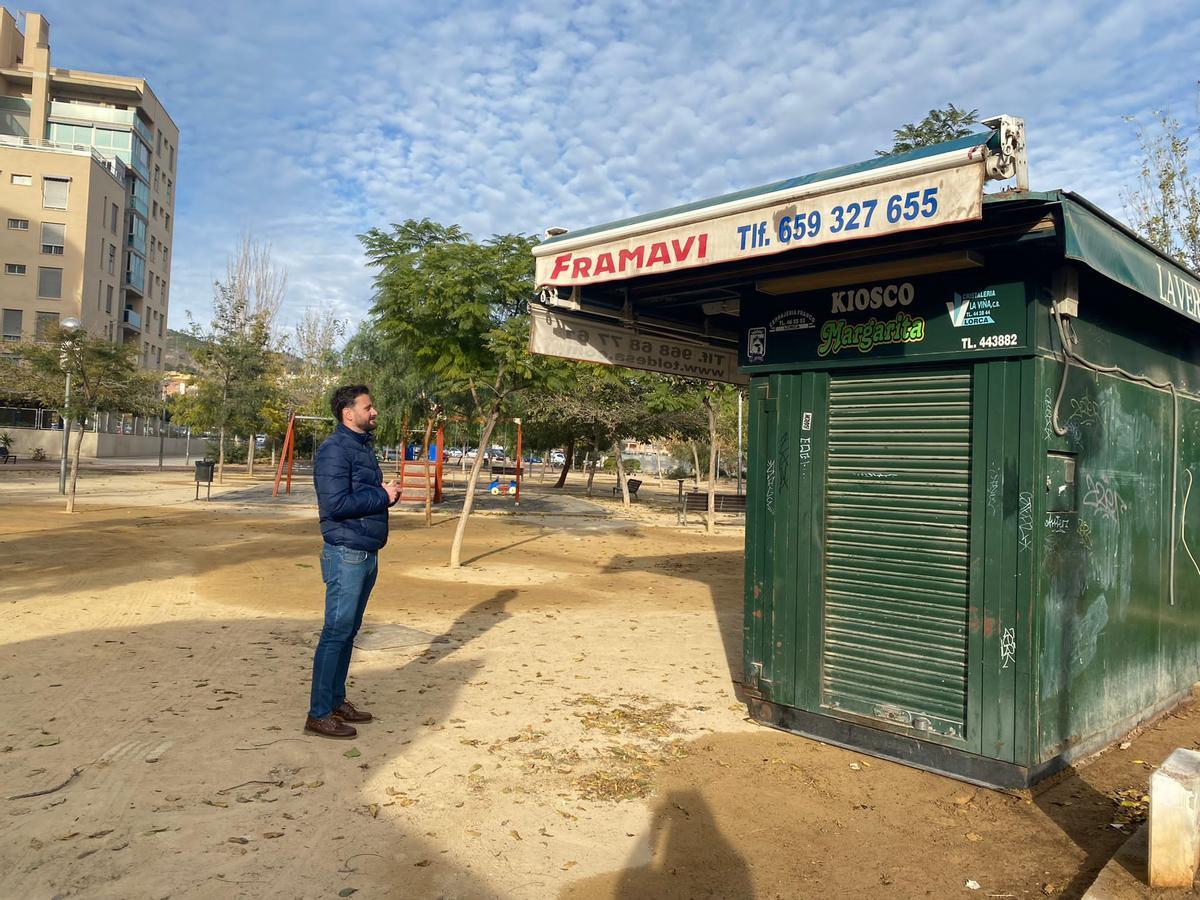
column 307, row 123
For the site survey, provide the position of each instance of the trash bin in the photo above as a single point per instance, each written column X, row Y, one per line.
column 204, row 475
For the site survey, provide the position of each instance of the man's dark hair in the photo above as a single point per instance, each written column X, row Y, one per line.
column 345, row 396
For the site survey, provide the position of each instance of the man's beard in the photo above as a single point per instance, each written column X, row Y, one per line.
column 370, row 424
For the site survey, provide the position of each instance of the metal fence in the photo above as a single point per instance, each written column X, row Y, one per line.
column 104, row 423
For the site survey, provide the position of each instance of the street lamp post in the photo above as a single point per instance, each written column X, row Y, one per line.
column 70, row 326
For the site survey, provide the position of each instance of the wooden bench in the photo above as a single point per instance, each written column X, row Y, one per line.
column 697, row 501
column 501, row 469
column 633, row 484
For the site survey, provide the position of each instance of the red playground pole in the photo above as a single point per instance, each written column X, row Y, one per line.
column 517, row 501
column 289, row 437
column 437, row 468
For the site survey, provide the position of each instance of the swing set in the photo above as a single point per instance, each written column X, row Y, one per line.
column 413, row 475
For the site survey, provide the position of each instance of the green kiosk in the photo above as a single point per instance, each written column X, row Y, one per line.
column 973, row 533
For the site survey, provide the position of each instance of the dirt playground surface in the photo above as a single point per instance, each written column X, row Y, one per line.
column 559, row 719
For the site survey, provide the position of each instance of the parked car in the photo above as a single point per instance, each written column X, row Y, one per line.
column 531, row 459
column 558, row 458
column 472, row 453
column 454, row 452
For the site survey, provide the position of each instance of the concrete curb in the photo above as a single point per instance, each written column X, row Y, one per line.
column 1125, row 876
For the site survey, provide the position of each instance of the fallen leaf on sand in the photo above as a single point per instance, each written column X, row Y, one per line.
column 422, row 864
column 352, row 753
column 973, row 837
column 568, row 864
column 516, row 834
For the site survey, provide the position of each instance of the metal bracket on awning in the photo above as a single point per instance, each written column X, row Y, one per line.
column 1008, row 160
column 549, row 296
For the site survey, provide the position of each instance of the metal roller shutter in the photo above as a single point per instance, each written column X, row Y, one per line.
column 894, row 629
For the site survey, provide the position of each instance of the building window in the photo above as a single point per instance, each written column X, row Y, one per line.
column 45, row 323
column 116, row 213
column 112, row 260
column 172, row 156
column 108, row 300
column 168, row 221
column 18, row 224
column 54, row 192
column 54, row 238
column 12, row 324
column 161, row 321
column 99, row 294
column 158, row 142
column 157, row 174
column 49, row 284
column 26, row 180
column 14, row 268
column 154, row 207
column 170, row 189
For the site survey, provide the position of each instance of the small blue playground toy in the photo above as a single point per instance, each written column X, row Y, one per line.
column 496, row 488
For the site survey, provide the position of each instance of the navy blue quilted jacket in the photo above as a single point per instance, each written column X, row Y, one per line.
column 350, row 496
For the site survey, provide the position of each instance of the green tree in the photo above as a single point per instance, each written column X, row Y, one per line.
column 1164, row 204
column 235, row 381
column 104, row 378
column 938, row 126
column 459, row 311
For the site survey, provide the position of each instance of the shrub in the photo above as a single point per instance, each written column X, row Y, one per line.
column 633, row 466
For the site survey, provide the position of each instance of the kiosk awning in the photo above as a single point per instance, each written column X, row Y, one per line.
column 925, row 188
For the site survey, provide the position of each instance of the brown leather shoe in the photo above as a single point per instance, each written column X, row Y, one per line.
column 328, row 726
column 347, row 712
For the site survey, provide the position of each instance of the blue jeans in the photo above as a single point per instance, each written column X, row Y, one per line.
column 349, row 576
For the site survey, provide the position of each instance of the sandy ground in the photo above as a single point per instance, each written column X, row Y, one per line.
column 558, row 719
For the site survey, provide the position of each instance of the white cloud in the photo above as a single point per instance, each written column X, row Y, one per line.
column 308, row 123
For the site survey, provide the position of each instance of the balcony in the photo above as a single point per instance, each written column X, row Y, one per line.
column 140, row 166
column 111, row 165
column 87, row 112
column 135, row 274
column 136, row 241
column 144, row 130
column 139, row 206
column 131, row 321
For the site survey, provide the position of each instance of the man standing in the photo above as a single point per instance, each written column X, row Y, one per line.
column 353, row 503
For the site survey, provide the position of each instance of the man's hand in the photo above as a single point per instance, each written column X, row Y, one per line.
column 393, row 492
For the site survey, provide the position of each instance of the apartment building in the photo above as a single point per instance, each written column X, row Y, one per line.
column 87, row 197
